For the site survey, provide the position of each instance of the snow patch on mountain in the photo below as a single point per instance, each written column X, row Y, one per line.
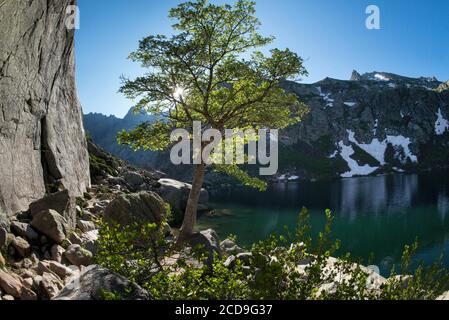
column 441, row 125
column 381, row 77
column 356, row 169
column 378, row 148
column 326, row 97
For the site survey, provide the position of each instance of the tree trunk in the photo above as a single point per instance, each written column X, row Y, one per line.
column 189, row 222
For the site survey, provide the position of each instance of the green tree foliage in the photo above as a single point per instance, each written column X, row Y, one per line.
column 210, row 70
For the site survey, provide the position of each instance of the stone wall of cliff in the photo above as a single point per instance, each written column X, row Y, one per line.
column 42, row 140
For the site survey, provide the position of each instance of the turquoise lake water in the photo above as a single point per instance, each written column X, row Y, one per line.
column 372, row 215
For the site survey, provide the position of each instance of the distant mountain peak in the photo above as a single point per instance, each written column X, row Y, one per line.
column 355, row 76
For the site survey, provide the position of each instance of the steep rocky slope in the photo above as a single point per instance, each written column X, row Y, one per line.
column 375, row 122
column 103, row 129
column 42, row 140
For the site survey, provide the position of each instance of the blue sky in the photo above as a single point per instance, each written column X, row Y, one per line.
column 330, row 34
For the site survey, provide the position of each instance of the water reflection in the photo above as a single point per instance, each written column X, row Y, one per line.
column 376, row 215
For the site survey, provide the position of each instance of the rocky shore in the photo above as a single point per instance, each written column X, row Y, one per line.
column 48, row 252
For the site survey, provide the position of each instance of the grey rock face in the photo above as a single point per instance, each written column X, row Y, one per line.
column 95, row 281
column 42, row 140
column 389, row 122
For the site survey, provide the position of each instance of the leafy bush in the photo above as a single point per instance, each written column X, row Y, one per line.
column 291, row 266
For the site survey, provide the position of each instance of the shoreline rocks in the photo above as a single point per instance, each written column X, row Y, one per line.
column 95, row 283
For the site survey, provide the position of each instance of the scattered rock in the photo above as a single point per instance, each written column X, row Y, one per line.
column 126, row 209
column 404, row 280
column 78, row 256
column 24, row 230
column 10, row 284
column 56, row 252
column 59, row 269
column 206, row 241
column 229, row 247
column 21, row 246
column 50, row 285
column 27, row 294
column 133, row 178
column 51, row 224
column 95, row 281
column 86, row 226
column 60, row 202
column 245, row 257
column 230, row 262
column 8, row 298
column 75, row 238
column 89, row 241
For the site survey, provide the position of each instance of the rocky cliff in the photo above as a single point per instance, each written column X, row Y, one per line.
column 376, row 122
column 42, row 140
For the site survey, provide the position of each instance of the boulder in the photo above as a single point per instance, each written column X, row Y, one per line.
column 10, row 284
column 133, row 178
column 230, row 248
column 50, row 285
column 78, row 256
column 21, row 246
column 96, row 281
column 43, row 140
column 206, row 241
column 59, row 269
column 126, row 209
column 61, row 202
column 24, row 230
column 89, row 241
column 56, row 252
column 51, row 224
column 177, row 193
column 86, row 226
column 28, row 295
column 230, row 262
column 245, row 257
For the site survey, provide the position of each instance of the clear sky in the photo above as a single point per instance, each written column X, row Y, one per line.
column 330, row 34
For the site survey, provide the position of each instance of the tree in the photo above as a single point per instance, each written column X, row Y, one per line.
column 200, row 74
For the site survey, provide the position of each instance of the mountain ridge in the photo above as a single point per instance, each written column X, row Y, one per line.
column 374, row 123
